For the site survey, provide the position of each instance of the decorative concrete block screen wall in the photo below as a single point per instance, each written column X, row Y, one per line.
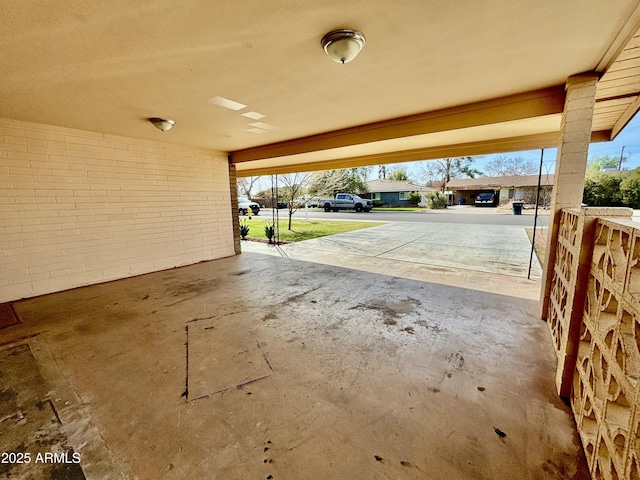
column 78, row 207
column 604, row 385
column 561, row 318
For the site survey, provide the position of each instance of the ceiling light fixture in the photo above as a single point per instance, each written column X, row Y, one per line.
column 343, row 45
column 163, row 124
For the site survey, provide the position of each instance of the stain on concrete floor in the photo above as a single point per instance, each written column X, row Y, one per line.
column 30, row 429
column 8, row 316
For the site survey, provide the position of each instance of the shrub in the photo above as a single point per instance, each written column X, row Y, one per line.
column 269, row 231
column 378, row 203
column 436, row 200
column 602, row 190
column 630, row 188
column 244, row 230
column 414, row 198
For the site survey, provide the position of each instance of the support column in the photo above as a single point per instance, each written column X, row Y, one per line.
column 571, row 165
column 233, row 189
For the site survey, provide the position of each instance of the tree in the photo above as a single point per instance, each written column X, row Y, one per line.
column 294, row 185
column 246, row 184
column 505, row 167
column 442, row 170
column 347, row 180
column 398, row 174
column 595, row 164
column 630, row 188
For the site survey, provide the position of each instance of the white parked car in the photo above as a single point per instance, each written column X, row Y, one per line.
column 244, row 204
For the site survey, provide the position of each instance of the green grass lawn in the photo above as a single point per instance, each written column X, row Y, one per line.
column 305, row 230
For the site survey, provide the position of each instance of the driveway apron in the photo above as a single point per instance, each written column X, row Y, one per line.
column 498, row 249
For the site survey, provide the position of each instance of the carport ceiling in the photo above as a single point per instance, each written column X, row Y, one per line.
column 435, row 78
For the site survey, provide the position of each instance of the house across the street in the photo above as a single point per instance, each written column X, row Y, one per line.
column 395, row 193
column 521, row 188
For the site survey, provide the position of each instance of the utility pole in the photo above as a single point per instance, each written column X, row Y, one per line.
column 621, row 157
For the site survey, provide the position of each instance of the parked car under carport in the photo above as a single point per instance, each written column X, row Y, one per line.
column 486, row 199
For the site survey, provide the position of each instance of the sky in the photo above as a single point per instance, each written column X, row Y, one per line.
column 629, row 138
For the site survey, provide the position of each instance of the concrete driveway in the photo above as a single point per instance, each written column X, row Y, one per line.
column 491, row 258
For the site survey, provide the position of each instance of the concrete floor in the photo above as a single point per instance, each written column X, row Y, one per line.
column 261, row 367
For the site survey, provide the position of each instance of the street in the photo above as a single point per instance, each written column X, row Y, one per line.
column 452, row 215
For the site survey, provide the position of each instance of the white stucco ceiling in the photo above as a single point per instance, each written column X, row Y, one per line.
column 107, row 66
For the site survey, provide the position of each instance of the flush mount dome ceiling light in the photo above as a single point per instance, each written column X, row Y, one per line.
column 343, row 45
column 163, row 124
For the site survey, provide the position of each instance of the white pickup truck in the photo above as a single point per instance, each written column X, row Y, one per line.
column 345, row 201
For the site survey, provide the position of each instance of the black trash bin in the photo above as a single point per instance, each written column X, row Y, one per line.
column 517, row 208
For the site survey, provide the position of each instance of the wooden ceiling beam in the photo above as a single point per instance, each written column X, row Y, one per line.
column 502, row 145
column 514, row 107
column 625, row 118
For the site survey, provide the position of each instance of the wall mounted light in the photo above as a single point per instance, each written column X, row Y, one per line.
column 343, row 45
column 163, row 124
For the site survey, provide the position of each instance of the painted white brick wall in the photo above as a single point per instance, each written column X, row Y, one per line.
column 78, row 208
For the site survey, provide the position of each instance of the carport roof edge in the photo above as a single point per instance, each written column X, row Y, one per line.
column 511, row 181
